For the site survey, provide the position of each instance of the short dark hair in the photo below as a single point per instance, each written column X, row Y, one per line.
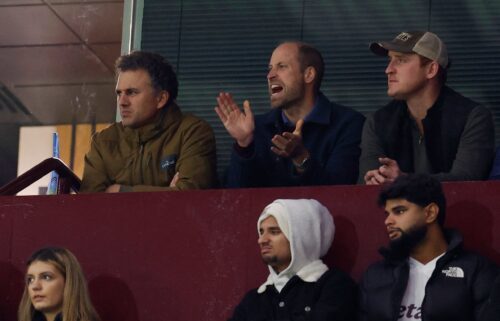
column 442, row 74
column 311, row 57
column 420, row 189
column 159, row 69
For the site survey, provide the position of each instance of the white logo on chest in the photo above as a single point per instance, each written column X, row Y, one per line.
column 454, row 272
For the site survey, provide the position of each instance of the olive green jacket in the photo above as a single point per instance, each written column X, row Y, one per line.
column 147, row 158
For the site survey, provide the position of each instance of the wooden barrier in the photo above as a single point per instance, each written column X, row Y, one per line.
column 192, row 255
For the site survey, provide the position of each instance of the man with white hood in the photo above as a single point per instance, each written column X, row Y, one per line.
column 293, row 236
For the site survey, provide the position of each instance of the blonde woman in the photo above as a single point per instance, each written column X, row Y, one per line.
column 55, row 289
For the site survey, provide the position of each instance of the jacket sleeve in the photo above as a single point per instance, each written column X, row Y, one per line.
column 197, row 161
column 492, row 309
column 483, row 282
column 337, row 300
column 238, row 314
column 371, row 149
column 95, row 177
column 244, row 169
column 475, row 150
column 341, row 166
column 495, row 170
column 362, row 302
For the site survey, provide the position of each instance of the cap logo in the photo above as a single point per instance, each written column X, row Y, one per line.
column 403, row 36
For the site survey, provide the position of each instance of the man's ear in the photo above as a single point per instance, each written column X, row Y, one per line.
column 431, row 213
column 310, row 75
column 433, row 68
column 162, row 98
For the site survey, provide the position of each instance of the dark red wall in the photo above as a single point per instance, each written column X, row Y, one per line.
column 192, row 255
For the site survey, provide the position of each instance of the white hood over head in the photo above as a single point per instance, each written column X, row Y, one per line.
column 309, row 228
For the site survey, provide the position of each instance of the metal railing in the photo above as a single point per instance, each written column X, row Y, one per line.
column 68, row 181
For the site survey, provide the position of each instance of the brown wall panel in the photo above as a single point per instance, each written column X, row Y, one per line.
column 83, row 135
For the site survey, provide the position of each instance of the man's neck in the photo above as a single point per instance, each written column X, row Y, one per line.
column 301, row 109
column 431, row 247
column 420, row 103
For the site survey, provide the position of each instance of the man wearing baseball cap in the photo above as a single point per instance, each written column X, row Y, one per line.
column 427, row 127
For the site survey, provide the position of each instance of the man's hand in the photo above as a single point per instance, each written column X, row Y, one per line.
column 115, row 188
column 389, row 169
column 240, row 125
column 386, row 173
column 174, row 180
column 290, row 145
column 373, row 177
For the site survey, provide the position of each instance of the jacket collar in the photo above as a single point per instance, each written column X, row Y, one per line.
column 38, row 316
column 455, row 240
column 320, row 114
column 163, row 121
column 309, row 273
column 436, row 106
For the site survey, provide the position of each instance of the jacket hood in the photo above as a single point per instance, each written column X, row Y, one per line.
column 307, row 225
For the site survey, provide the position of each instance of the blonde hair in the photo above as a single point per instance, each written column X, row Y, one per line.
column 76, row 301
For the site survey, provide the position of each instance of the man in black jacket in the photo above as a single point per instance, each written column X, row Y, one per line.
column 426, row 275
column 293, row 235
column 427, row 127
column 493, row 310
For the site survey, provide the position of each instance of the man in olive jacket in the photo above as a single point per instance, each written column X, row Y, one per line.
column 155, row 146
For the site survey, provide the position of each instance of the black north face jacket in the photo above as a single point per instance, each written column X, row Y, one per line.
column 457, row 290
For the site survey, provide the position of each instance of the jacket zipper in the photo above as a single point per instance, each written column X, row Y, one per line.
column 141, row 157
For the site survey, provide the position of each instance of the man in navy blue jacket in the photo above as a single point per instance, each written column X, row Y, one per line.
column 304, row 140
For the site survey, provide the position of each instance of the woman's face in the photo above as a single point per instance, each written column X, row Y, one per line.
column 46, row 287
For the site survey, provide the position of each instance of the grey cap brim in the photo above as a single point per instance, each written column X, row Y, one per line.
column 382, row 48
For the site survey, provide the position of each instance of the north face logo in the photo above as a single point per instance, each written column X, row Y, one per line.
column 454, row 272
column 403, row 36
